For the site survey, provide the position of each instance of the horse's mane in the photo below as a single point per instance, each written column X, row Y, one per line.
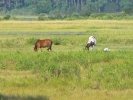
column 37, row 41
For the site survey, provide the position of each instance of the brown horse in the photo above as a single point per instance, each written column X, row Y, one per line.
column 42, row 44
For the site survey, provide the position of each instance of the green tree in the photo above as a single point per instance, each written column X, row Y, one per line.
column 43, row 7
column 111, row 7
column 129, row 11
column 125, row 3
column 66, row 7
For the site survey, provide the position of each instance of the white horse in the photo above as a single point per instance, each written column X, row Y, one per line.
column 91, row 42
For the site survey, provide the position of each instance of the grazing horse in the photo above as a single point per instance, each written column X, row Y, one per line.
column 42, row 44
column 91, row 42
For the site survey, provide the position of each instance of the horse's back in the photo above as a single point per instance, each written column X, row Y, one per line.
column 92, row 39
column 45, row 41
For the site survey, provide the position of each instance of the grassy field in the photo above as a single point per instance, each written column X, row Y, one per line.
column 68, row 72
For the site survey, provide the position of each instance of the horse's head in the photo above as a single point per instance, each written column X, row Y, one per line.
column 35, row 48
column 87, row 46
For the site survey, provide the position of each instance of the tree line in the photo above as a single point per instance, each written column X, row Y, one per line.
column 63, row 7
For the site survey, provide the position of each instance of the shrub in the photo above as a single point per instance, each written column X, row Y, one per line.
column 31, row 41
column 57, row 41
column 43, row 16
column 7, row 17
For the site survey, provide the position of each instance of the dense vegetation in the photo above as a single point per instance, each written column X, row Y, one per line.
column 63, row 8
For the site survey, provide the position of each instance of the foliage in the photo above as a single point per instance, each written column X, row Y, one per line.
column 43, row 16
column 110, row 16
column 112, row 7
column 129, row 11
column 7, row 17
column 31, row 41
column 102, row 68
column 43, row 7
column 57, row 41
column 86, row 7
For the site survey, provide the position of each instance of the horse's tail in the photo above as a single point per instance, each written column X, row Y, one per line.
column 51, row 45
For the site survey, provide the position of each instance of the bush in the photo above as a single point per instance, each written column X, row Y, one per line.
column 31, row 41
column 43, row 16
column 7, row 17
column 57, row 41
column 14, row 18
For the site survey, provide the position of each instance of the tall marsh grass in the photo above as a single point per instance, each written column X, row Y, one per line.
column 100, row 69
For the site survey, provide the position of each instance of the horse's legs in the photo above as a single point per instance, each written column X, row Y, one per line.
column 88, row 46
column 49, row 48
column 92, row 47
column 41, row 49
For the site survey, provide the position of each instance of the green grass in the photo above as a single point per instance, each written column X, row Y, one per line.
column 68, row 71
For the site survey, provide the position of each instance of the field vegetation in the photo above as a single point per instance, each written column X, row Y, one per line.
column 68, row 71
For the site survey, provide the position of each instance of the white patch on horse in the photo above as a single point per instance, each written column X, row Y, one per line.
column 92, row 39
